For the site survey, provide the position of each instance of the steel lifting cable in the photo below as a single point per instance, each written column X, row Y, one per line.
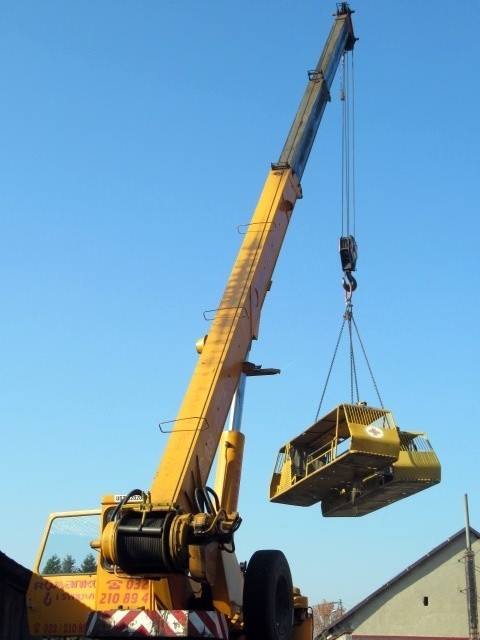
column 349, row 283
column 353, row 367
column 354, row 388
column 352, row 319
column 345, row 147
column 348, row 245
column 347, row 97
column 331, row 367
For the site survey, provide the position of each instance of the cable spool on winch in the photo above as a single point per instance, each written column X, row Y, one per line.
column 137, row 538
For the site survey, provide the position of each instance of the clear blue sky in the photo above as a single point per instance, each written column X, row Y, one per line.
column 136, row 136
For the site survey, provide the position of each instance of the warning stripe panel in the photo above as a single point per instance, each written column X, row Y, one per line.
column 208, row 624
column 175, row 623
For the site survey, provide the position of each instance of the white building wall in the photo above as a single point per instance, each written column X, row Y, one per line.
column 429, row 601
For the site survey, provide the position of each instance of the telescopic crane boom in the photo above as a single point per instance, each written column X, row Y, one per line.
column 167, row 554
column 208, row 399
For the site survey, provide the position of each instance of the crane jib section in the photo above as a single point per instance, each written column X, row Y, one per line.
column 304, row 128
column 193, row 442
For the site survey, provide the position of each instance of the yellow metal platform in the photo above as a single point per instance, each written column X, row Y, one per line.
column 348, row 444
column 416, row 469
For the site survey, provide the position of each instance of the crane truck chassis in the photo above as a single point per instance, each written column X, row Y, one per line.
column 165, row 561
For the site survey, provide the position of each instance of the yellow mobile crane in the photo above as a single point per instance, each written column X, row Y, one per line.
column 164, row 564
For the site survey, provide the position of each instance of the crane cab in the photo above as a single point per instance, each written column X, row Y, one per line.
column 351, row 442
column 416, row 469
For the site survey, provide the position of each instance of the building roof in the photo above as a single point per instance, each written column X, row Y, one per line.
column 13, row 573
column 342, row 625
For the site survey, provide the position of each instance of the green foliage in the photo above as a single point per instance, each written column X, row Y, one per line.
column 89, row 564
column 68, row 564
column 55, row 565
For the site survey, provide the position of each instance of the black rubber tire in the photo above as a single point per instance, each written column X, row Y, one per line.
column 268, row 597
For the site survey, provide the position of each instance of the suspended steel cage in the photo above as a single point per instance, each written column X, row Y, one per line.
column 351, row 442
column 416, row 469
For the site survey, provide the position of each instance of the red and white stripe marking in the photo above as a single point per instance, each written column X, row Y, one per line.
column 176, row 623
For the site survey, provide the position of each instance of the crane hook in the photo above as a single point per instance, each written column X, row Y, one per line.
column 348, row 257
column 349, row 284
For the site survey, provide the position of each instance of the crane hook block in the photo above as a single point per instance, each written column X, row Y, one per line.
column 348, row 253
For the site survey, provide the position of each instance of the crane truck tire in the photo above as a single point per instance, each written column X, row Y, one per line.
column 268, row 597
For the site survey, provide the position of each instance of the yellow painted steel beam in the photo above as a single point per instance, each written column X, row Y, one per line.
column 196, row 432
